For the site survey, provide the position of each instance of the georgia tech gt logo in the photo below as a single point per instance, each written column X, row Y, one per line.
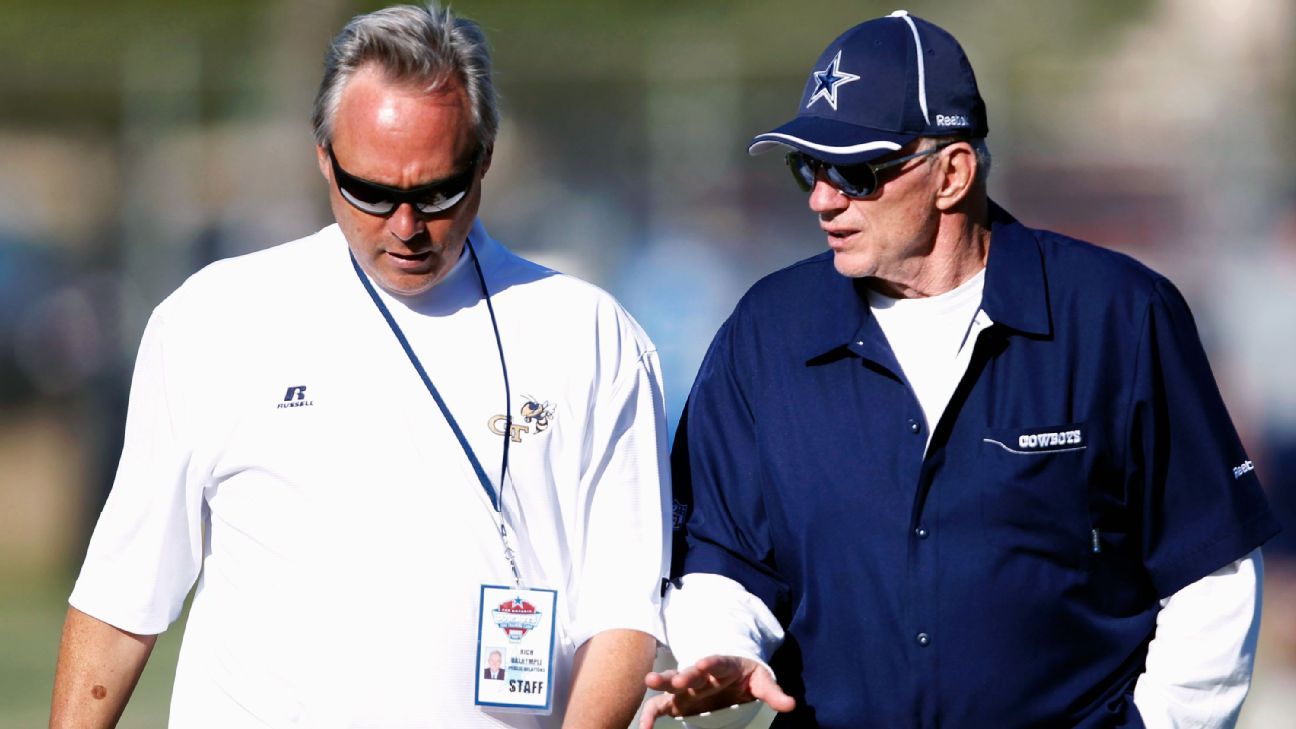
column 535, row 414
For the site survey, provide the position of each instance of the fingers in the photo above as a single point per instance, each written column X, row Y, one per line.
column 711, row 683
column 659, row 681
column 725, row 668
column 690, row 680
column 764, row 687
column 661, row 705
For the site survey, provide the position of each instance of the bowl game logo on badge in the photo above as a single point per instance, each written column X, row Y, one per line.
column 515, row 617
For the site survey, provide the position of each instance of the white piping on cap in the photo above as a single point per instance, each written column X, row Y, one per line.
column 764, row 141
column 922, row 76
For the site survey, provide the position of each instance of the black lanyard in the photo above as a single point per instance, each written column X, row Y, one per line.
column 495, row 500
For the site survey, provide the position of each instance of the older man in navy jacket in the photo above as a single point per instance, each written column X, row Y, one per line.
column 955, row 472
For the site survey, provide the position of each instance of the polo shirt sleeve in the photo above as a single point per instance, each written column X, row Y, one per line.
column 717, row 478
column 624, row 554
column 146, row 550
column 1202, row 504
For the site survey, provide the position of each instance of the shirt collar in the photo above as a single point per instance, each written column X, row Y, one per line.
column 1016, row 293
column 1015, row 296
column 489, row 251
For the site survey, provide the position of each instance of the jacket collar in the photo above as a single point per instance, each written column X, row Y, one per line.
column 1015, row 296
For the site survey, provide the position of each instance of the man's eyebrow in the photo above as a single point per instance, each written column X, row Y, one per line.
column 452, row 177
column 456, row 176
column 439, row 182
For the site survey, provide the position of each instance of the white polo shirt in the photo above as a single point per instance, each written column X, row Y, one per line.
column 280, row 444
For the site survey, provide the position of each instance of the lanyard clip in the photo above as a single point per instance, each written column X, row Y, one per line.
column 510, row 555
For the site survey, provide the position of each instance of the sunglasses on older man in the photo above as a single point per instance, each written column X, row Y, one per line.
column 376, row 199
column 859, row 180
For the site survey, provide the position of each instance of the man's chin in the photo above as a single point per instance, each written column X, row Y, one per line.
column 851, row 266
column 407, row 283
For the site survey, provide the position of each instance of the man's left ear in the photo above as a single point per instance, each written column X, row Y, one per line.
column 959, row 164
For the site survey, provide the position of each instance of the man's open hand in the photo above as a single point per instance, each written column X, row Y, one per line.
column 714, row 682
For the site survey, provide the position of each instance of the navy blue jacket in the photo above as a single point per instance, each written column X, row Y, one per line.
column 1084, row 468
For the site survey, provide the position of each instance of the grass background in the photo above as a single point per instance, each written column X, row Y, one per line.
column 31, row 619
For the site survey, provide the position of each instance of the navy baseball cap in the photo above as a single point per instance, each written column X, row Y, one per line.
column 879, row 86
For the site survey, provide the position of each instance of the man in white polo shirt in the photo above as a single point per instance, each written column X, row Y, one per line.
column 384, row 451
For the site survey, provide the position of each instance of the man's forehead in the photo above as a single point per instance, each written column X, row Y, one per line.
column 382, row 124
column 371, row 97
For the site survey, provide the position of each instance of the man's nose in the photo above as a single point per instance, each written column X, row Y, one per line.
column 825, row 198
column 405, row 222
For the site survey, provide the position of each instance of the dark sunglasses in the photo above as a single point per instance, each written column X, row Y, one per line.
column 859, row 180
column 376, row 199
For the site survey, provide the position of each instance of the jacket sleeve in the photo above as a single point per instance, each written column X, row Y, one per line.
column 1202, row 505
column 717, row 475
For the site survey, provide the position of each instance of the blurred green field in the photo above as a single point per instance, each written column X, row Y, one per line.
column 31, row 616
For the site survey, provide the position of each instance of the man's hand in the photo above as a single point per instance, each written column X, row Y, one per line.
column 714, row 682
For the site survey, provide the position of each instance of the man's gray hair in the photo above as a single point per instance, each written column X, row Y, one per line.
column 428, row 46
column 983, row 159
column 979, row 146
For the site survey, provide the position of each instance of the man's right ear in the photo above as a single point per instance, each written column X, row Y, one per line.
column 322, row 157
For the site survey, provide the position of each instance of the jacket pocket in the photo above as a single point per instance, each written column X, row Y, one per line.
column 1034, row 499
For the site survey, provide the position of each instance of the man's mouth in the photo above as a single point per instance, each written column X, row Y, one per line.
column 410, row 262
column 410, row 256
column 838, row 235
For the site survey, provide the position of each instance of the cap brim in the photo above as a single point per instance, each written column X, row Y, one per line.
column 830, row 140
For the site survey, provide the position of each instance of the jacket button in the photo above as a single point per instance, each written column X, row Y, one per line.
column 914, row 427
column 924, row 640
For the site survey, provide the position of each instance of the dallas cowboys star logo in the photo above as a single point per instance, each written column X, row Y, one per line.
column 828, row 80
